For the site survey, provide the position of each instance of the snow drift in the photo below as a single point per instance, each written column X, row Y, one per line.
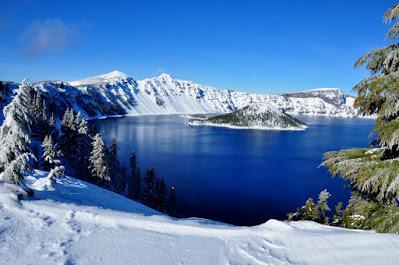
column 79, row 223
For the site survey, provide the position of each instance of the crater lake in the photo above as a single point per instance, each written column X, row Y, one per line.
column 237, row 176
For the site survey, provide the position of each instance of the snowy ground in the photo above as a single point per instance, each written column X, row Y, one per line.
column 78, row 223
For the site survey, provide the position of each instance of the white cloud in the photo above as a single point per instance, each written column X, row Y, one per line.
column 160, row 70
column 47, row 36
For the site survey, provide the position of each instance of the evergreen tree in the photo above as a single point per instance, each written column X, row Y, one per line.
column 149, row 194
column 172, row 206
column 346, row 222
column 98, row 163
column 16, row 130
column 39, row 109
column 306, row 212
column 35, row 153
column 51, row 154
column 15, row 171
column 117, row 179
column 322, row 206
column 122, row 186
column 68, row 133
column 338, row 215
column 76, row 143
column 373, row 174
column 134, row 183
column 52, row 128
column 81, row 124
column 160, row 194
column 311, row 211
column 81, row 153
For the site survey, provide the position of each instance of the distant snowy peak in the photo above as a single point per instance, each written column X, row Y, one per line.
column 324, row 89
column 165, row 76
column 116, row 93
column 111, row 77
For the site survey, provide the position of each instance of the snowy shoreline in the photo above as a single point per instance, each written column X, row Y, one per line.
column 304, row 127
column 189, row 115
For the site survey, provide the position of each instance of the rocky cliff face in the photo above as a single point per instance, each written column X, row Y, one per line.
column 117, row 94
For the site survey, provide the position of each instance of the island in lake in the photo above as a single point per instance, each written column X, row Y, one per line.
column 255, row 116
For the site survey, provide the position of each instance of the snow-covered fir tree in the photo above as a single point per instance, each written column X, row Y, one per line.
column 15, row 133
column 306, row 212
column 322, row 206
column 40, row 126
column 98, row 163
column 68, row 133
column 14, row 172
column 51, row 154
column 81, row 153
column 373, row 173
column 51, row 128
column 75, row 142
column 81, row 124
column 311, row 211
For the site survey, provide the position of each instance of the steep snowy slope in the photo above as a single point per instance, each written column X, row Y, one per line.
column 78, row 223
column 324, row 101
column 116, row 93
column 254, row 116
column 166, row 95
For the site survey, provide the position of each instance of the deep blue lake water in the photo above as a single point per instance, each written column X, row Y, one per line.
column 242, row 177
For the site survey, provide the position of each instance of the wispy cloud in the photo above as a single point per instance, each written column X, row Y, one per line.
column 160, row 70
column 47, row 36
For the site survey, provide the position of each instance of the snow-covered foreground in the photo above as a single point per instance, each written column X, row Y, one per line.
column 78, row 223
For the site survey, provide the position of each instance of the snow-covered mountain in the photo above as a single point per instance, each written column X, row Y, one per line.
column 254, row 116
column 180, row 96
column 116, row 93
column 166, row 95
column 79, row 223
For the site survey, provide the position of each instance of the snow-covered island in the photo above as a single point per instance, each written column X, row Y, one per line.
column 255, row 116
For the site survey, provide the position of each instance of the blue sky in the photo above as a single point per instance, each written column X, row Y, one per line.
column 257, row 46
